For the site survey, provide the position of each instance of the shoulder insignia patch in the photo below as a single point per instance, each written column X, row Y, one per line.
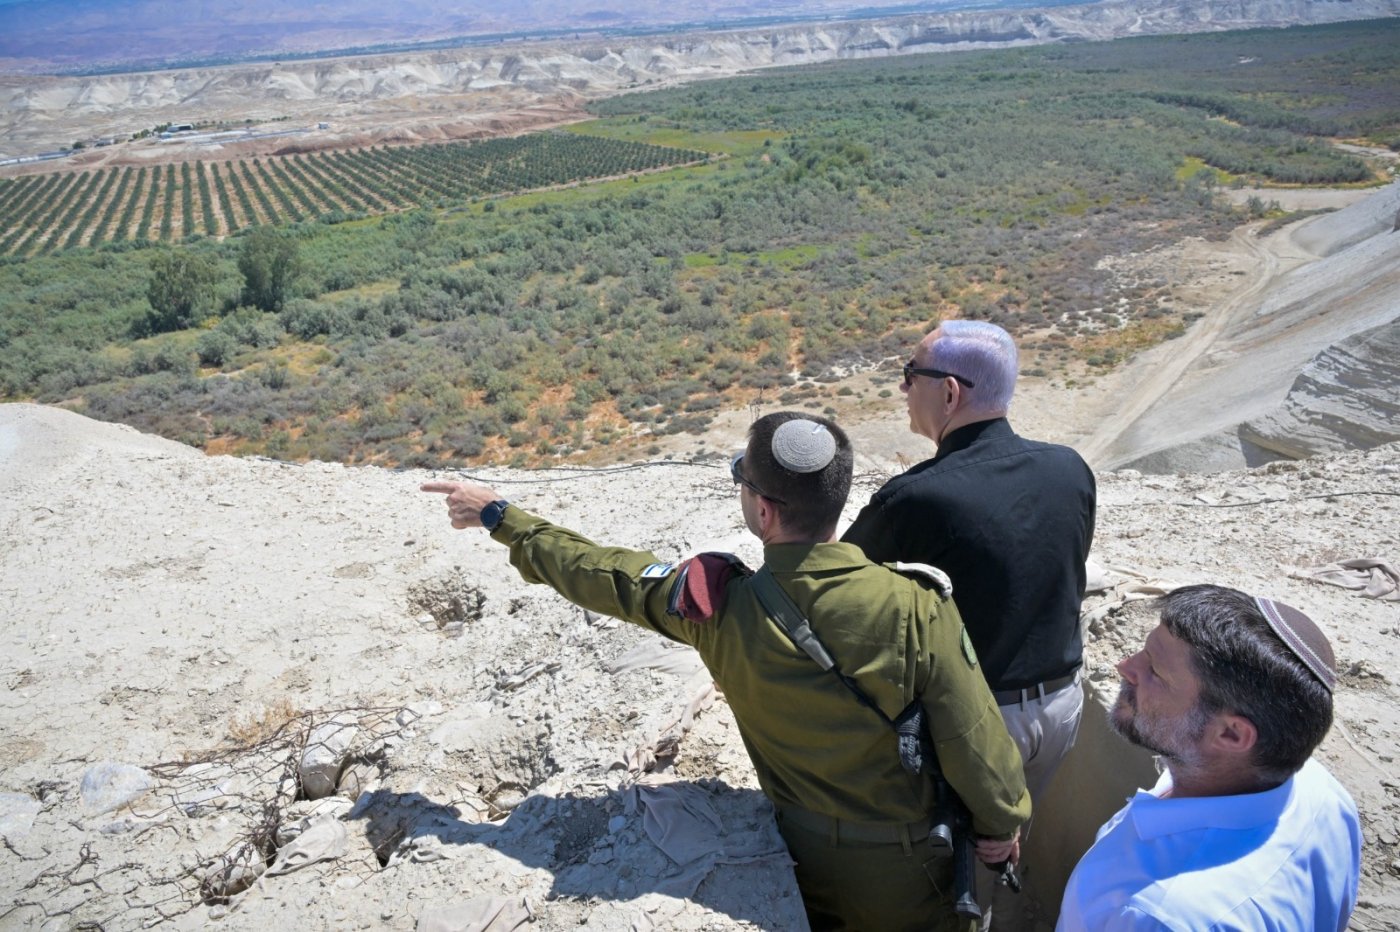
column 699, row 588
column 941, row 582
column 968, row 652
column 658, row 570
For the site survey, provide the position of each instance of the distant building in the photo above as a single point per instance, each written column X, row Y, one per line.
column 323, row 126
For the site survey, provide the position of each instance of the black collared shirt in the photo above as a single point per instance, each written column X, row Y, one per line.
column 1010, row 521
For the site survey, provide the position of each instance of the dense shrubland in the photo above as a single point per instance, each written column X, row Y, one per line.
column 856, row 203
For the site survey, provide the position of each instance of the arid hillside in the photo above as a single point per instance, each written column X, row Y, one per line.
column 462, row 92
column 1298, row 349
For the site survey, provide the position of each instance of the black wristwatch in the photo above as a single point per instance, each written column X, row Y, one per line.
column 492, row 514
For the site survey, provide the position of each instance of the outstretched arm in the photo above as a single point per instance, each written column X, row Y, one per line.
column 629, row 584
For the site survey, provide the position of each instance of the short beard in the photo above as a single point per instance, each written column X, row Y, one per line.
column 1174, row 741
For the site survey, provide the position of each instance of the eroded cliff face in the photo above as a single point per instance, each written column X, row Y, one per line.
column 1346, row 398
column 35, row 112
column 1303, row 361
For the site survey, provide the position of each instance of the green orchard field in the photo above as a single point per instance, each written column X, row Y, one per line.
column 575, row 293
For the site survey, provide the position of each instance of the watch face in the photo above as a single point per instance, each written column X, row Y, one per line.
column 492, row 514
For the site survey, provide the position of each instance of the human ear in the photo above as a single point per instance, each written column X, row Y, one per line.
column 953, row 392
column 767, row 514
column 1234, row 734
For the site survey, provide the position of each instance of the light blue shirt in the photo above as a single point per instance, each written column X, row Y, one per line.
column 1287, row 859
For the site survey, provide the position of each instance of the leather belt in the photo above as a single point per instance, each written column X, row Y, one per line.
column 894, row 833
column 1038, row 691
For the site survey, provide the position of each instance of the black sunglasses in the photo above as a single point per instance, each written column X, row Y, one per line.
column 740, row 479
column 911, row 370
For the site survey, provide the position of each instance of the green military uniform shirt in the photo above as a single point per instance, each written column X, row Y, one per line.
column 812, row 743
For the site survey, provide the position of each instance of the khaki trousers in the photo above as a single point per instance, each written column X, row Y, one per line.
column 1044, row 729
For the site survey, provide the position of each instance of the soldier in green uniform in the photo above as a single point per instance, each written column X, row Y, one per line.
column 855, row 821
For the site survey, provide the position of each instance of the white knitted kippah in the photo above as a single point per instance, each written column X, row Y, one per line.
column 803, row 446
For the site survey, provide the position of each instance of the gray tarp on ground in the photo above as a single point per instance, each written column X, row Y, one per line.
column 1374, row 577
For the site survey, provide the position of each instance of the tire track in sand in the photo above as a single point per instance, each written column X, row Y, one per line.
column 1165, row 374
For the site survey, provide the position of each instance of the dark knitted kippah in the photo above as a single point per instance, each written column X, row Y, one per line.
column 803, row 446
column 1303, row 637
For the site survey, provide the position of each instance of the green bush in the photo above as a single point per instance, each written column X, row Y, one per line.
column 180, row 290
column 216, row 348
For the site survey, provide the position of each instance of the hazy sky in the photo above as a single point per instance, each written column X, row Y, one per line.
column 40, row 35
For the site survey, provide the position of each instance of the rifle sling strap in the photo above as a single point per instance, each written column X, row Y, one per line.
column 916, row 752
column 779, row 606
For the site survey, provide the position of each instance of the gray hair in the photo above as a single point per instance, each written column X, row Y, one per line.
column 985, row 355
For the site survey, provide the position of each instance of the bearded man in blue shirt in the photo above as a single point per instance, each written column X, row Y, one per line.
column 1244, row 831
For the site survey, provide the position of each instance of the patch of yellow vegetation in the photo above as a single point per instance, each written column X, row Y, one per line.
column 1193, row 166
column 263, row 724
column 1137, row 336
column 304, row 358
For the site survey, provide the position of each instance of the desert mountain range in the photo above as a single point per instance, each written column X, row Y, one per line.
column 473, row 91
column 84, row 35
column 123, row 34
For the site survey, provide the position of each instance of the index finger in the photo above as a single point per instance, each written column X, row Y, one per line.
column 440, row 486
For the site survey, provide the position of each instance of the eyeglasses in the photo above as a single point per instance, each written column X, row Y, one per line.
column 740, row 479
column 911, row 370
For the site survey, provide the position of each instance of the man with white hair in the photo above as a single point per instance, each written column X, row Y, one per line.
column 1244, row 830
column 1009, row 520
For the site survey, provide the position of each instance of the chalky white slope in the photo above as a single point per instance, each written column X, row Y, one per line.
column 510, row 755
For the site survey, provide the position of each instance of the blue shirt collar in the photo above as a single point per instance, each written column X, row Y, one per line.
column 1154, row 817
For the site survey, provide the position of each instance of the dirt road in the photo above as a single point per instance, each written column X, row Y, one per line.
column 1172, row 360
column 1117, row 408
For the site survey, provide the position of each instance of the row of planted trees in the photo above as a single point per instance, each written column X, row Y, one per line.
column 41, row 214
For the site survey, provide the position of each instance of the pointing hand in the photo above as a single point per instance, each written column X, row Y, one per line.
column 464, row 501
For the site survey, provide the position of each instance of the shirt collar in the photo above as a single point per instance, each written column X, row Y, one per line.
column 813, row 558
column 1154, row 817
column 968, row 434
